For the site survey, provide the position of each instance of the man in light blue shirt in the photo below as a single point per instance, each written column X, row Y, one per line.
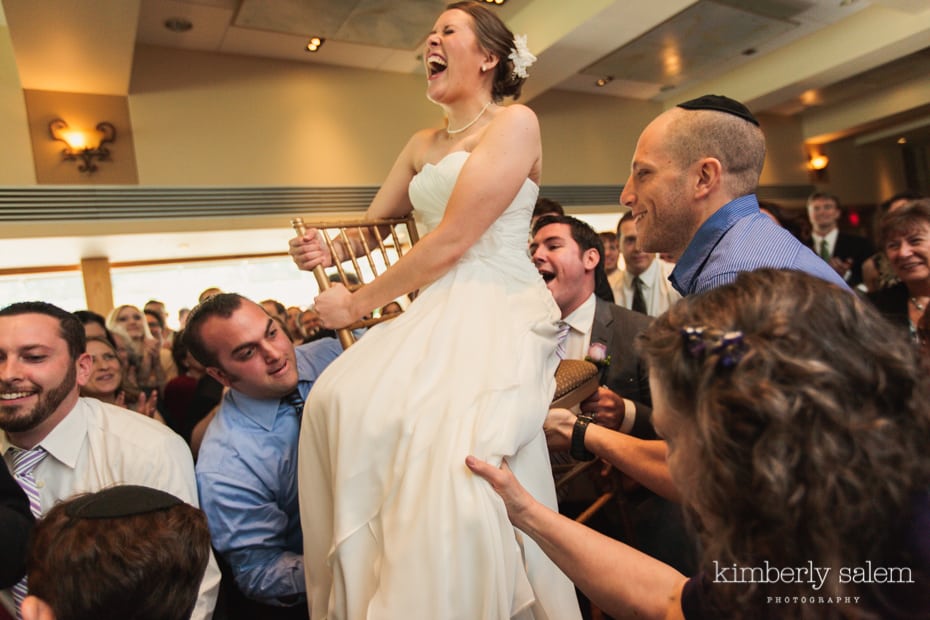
column 691, row 191
column 247, row 464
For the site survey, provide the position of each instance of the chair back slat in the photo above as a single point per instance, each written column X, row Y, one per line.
column 361, row 238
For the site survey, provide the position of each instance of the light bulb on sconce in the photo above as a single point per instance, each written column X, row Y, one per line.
column 77, row 146
column 819, row 162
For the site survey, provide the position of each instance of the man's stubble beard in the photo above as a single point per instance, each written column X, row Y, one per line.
column 46, row 405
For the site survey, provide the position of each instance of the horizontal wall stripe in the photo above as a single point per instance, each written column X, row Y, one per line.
column 76, row 203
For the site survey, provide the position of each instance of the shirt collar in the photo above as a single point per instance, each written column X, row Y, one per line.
column 264, row 411
column 647, row 277
column 582, row 317
column 64, row 442
column 692, row 260
column 830, row 237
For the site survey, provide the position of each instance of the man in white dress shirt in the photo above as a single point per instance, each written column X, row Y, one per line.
column 655, row 294
column 567, row 253
column 80, row 445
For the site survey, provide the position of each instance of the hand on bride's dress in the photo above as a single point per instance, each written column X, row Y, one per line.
column 517, row 500
column 335, row 307
column 310, row 250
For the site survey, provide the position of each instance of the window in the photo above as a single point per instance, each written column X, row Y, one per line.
column 65, row 289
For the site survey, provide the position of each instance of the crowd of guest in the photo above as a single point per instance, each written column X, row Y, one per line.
column 136, row 362
column 133, row 362
column 893, row 277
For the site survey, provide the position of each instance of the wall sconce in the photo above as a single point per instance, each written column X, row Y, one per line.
column 77, row 147
column 819, row 162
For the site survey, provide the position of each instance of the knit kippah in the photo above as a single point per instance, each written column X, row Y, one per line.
column 719, row 103
column 120, row 501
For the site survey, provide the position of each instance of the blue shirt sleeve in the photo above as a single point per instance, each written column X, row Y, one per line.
column 250, row 530
column 247, row 482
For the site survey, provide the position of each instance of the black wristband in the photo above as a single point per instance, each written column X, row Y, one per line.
column 578, row 451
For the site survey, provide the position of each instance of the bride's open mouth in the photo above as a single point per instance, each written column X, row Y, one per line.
column 435, row 65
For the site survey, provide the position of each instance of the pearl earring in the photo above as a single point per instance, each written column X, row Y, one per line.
column 483, row 68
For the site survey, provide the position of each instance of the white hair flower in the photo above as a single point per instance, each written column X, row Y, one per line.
column 521, row 56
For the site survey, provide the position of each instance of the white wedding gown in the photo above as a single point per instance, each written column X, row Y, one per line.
column 394, row 524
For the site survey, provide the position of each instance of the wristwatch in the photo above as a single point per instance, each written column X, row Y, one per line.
column 578, row 451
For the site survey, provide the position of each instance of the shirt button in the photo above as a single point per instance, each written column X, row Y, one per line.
column 40, row 484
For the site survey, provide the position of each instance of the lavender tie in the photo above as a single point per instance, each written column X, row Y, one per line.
column 24, row 464
column 562, row 339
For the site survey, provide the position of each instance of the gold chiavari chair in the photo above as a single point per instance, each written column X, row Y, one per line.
column 371, row 246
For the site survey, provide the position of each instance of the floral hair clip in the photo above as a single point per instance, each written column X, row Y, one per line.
column 699, row 341
column 521, row 56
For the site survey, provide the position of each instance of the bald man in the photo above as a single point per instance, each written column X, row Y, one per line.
column 691, row 191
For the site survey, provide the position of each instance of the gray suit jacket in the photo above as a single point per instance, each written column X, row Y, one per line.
column 617, row 328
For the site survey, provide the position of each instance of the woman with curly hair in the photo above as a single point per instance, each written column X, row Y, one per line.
column 798, row 426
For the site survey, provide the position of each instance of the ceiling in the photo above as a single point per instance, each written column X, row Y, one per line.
column 660, row 50
column 788, row 57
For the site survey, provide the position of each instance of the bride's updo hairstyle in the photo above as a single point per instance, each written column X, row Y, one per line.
column 495, row 37
column 801, row 422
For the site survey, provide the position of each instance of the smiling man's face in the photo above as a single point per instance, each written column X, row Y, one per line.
column 659, row 189
column 253, row 353
column 38, row 377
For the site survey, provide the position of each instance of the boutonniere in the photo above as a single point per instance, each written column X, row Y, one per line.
column 597, row 355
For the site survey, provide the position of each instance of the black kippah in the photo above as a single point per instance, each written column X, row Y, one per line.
column 120, row 501
column 719, row 103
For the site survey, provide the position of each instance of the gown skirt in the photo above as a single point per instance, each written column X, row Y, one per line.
column 394, row 523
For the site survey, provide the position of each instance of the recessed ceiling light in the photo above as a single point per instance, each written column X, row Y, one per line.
column 604, row 81
column 178, row 24
column 902, row 140
column 314, row 43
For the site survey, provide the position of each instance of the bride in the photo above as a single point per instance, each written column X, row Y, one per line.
column 394, row 525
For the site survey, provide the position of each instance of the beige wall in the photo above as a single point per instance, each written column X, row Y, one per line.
column 589, row 139
column 863, row 175
column 16, row 167
column 785, row 158
column 210, row 119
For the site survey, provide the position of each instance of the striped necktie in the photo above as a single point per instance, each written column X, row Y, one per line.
column 295, row 400
column 562, row 339
column 24, row 464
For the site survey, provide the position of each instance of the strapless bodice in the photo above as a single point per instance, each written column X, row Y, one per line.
column 429, row 193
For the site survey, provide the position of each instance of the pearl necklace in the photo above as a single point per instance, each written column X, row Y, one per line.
column 452, row 132
column 917, row 304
